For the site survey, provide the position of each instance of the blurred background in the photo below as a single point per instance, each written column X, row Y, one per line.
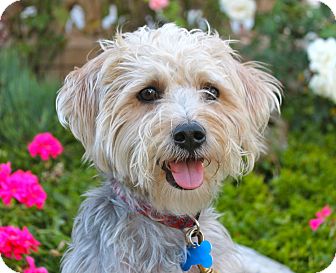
column 273, row 210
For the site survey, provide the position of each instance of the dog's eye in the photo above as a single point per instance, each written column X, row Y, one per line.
column 148, row 94
column 212, row 93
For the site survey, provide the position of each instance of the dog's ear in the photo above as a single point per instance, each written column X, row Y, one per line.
column 262, row 93
column 76, row 103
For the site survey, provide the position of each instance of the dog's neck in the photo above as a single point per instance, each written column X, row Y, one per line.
column 137, row 205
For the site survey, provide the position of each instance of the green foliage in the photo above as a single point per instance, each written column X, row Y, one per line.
column 310, row 114
column 272, row 216
column 28, row 108
column 39, row 37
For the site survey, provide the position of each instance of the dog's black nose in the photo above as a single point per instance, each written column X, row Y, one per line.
column 189, row 136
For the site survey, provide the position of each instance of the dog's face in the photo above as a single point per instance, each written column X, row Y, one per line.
column 170, row 113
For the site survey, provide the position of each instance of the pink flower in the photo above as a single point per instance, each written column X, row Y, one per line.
column 324, row 212
column 14, row 243
column 5, row 170
column 8, row 190
column 158, row 4
column 24, row 187
column 315, row 223
column 45, row 145
column 321, row 216
column 32, row 267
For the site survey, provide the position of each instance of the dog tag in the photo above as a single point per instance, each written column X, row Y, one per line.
column 198, row 254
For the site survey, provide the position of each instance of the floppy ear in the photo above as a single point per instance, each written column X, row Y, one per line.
column 262, row 93
column 76, row 103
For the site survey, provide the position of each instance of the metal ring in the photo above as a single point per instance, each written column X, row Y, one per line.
column 194, row 232
column 196, row 222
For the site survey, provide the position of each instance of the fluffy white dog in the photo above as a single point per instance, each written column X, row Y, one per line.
column 165, row 115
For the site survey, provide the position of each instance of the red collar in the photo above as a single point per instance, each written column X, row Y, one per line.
column 170, row 220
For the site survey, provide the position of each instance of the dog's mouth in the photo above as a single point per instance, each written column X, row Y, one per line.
column 184, row 175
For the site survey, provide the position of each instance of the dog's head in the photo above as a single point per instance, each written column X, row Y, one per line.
column 170, row 113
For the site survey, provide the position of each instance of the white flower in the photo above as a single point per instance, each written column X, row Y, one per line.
column 193, row 16
column 30, row 11
column 238, row 26
column 240, row 12
column 111, row 18
column 331, row 84
column 324, row 85
column 319, row 85
column 322, row 55
column 77, row 18
column 314, row 3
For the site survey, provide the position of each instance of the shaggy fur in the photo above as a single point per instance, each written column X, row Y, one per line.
column 129, row 140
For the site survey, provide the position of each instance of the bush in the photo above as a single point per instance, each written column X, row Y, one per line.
column 272, row 216
column 40, row 37
column 27, row 108
column 28, row 105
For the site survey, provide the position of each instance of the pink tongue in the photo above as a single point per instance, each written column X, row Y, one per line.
column 188, row 175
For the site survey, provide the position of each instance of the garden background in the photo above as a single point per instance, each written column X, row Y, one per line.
column 270, row 210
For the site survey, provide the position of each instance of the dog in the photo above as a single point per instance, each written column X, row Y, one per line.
column 165, row 115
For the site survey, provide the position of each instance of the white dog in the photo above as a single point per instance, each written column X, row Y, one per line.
column 165, row 115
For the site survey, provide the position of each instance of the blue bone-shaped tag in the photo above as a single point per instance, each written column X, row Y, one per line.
column 198, row 255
